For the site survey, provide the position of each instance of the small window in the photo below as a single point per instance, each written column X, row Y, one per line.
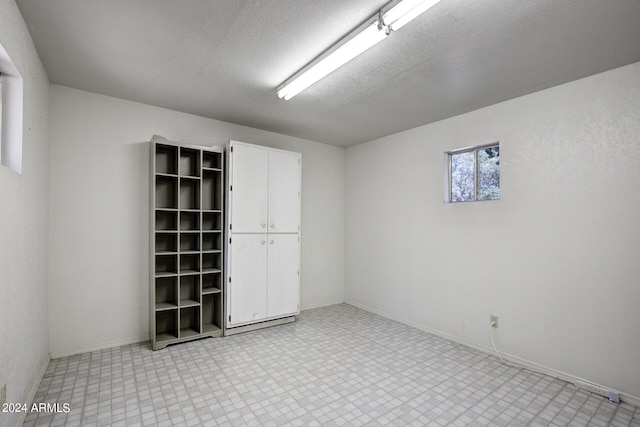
column 11, row 86
column 0, row 116
column 474, row 174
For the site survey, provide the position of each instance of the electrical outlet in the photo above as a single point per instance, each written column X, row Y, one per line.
column 493, row 320
column 3, row 394
column 614, row 396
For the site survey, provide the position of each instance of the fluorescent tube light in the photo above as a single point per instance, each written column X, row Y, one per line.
column 340, row 56
column 396, row 15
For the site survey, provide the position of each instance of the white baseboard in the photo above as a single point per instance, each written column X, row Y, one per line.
column 320, row 304
column 260, row 325
column 98, row 347
column 527, row 364
column 34, row 388
column 127, row 341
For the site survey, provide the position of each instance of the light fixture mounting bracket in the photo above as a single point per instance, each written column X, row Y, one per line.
column 381, row 25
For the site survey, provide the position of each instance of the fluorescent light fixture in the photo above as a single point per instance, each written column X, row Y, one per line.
column 338, row 57
column 392, row 17
column 407, row 11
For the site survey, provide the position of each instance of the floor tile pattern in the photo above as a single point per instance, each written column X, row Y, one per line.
column 336, row 365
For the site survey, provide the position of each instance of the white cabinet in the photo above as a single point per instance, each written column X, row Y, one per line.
column 264, row 190
column 263, row 274
column 283, row 296
column 284, row 192
column 248, row 289
column 265, row 281
column 248, row 189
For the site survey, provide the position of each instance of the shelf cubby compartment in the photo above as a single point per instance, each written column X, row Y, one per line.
column 166, row 220
column 211, row 283
column 166, row 159
column 189, row 290
column 189, row 242
column 212, row 221
column 189, row 321
column 189, row 193
column 189, row 221
column 166, row 325
column 166, row 192
column 212, row 160
column 189, row 162
column 166, row 293
column 211, row 313
column 166, row 243
column 212, row 190
column 166, row 265
column 189, row 263
column 212, row 241
column 211, row 262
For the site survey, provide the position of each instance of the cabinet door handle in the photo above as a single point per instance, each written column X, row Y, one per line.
column 264, row 225
column 263, row 242
column 273, row 226
column 272, row 242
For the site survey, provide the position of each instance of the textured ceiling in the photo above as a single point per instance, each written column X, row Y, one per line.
column 223, row 59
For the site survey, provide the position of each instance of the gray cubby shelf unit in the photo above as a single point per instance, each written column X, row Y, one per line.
column 186, row 236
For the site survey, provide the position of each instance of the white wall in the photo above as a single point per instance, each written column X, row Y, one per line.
column 557, row 258
column 23, row 228
column 99, row 213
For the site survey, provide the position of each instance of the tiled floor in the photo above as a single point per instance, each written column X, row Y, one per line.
column 336, row 365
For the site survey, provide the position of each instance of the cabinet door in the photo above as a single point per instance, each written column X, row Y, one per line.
column 283, row 284
column 284, row 192
column 249, row 189
column 247, row 291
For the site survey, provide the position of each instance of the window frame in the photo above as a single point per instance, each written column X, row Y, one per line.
column 449, row 184
column 11, row 114
column 1, row 80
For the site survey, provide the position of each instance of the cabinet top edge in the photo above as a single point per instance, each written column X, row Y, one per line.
column 264, row 147
column 161, row 141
